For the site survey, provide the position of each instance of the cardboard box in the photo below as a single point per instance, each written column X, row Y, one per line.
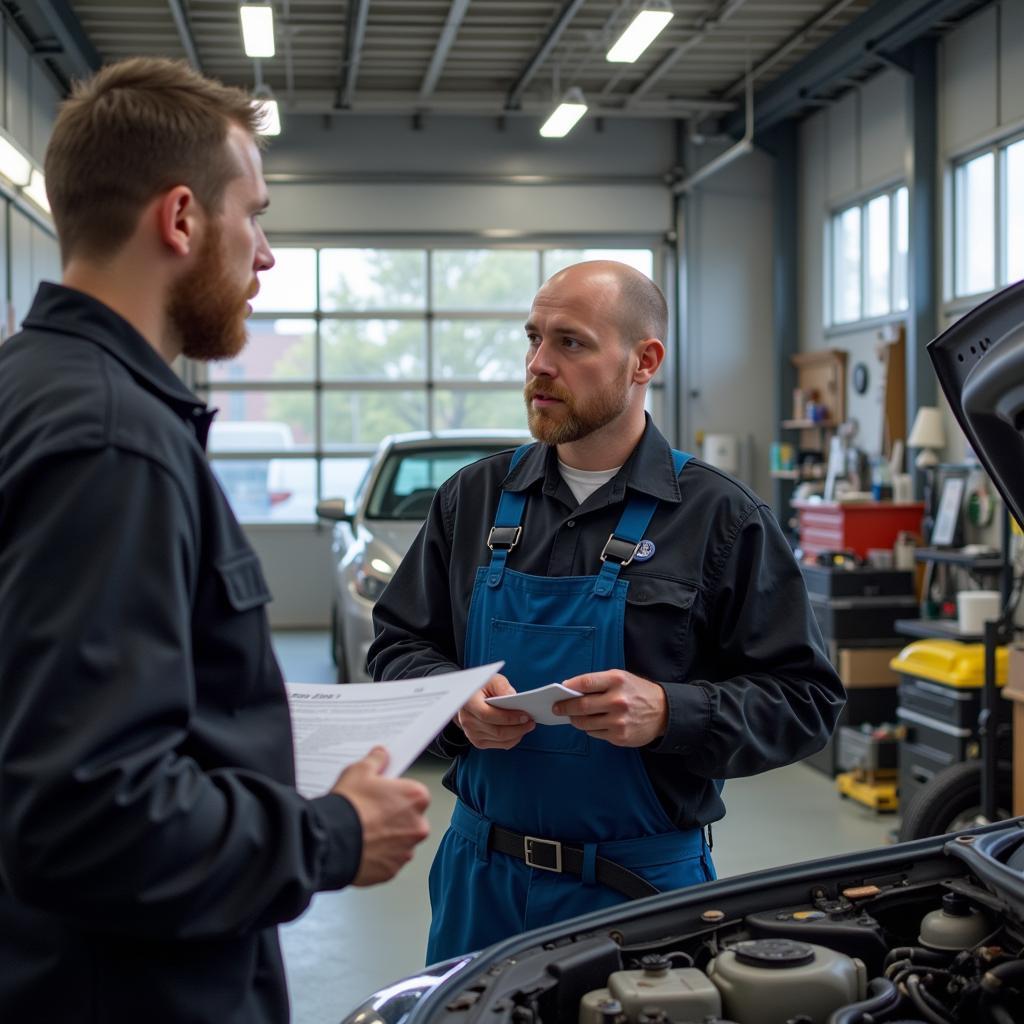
column 1014, row 689
column 867, row 666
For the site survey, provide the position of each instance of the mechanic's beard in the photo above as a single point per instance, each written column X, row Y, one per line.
column 572, row 420
column 207, row 311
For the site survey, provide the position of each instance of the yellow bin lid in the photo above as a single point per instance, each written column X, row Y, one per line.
column 949, row 662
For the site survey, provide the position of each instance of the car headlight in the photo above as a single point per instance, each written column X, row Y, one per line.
column 371, row 584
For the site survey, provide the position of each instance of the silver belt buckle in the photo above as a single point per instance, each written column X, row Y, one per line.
column 528, row 848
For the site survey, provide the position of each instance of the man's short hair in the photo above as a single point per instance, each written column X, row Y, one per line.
column 643, row 309
column 135, row 129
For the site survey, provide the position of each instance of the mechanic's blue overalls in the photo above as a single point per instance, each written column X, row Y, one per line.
column 557, row 783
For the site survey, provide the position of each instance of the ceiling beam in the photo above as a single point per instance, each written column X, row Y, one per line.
column 558, row 26
column 456, row 13
column 77, row 53
column 355, row 31
column 312, row 101
column 188, row 41
column 887, row 27
column 795, row 40
column 705, row 26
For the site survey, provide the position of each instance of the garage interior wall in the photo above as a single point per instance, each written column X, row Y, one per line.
column 28, row 247
column 384, row 180
column 861, row 144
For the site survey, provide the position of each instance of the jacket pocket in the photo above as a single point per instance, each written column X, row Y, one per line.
column 661, row 610
column 243, row 581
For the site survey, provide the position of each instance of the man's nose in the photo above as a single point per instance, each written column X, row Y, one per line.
column 264, row 254
column 539, row 364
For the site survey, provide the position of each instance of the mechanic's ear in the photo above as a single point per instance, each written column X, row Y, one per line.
column 649, row 355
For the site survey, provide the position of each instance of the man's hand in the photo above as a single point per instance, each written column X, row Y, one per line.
column 391, row 813
column 490, row 728
column 619, row 707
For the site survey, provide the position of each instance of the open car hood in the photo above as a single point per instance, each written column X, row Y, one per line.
column 980, row 365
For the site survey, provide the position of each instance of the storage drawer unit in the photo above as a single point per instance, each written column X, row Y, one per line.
column 940, row 713
column 826, row 581
column 860, row 618
column 874, row 705
column 859, row 607
column 860, row 526
column 861, row 750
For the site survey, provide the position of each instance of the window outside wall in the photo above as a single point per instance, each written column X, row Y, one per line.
column 988, row 220
column 348, row 345
column 868, row 258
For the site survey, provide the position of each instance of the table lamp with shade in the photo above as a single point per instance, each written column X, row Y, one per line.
column 927, row 435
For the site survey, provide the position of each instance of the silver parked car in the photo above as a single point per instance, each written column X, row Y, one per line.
column 372, row 536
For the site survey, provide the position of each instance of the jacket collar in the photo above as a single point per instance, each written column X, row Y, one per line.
column 57, row 308
column 648, row 469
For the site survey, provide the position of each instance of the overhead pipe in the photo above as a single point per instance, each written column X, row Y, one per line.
column 734, row 152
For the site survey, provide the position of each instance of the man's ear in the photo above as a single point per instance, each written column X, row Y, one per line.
column 649, row 355
column 178, row 219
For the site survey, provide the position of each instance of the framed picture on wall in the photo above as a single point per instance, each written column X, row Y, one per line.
column 947, row 518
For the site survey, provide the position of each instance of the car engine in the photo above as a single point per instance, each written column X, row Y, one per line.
column 916, row 934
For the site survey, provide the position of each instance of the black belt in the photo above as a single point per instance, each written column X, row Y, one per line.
column 567, row 858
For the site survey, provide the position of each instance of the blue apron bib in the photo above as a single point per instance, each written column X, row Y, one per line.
column 557, row 783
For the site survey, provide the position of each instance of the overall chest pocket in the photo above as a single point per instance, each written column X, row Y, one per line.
column 659, row 612
column 536, row 655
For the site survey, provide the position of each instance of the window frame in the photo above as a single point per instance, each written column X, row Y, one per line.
column 999, row 149
column 862, row 202
column 431, row 383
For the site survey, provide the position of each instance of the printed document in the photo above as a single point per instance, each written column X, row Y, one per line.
column 333, row 726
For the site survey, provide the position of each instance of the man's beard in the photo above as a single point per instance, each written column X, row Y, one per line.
column 206, row 309
column 572, row 420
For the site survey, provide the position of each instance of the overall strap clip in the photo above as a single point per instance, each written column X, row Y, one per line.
column 505, row 533
column 623, row 544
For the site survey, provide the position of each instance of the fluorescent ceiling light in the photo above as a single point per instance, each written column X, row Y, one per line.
column 36, row 190
column 270, row 115
column 14, row 165
column 639, row 34
column 565, row 115
column 257, row 29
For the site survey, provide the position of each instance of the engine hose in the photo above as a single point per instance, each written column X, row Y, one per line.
column 919, row 955
column 1010, row 973
column 917, row 997
column 883, row 996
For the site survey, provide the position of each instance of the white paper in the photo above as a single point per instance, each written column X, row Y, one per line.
column 537, row 703
column 333, row 726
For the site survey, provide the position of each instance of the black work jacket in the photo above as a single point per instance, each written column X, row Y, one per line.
column 719, row 616
column 150, row 833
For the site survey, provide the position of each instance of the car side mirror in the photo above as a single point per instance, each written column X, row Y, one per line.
column 333, row 509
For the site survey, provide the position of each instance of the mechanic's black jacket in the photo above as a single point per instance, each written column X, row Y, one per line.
column 719, row 616
column 150, row 833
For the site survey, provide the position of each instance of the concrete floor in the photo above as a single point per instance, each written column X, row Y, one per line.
column 350, row 943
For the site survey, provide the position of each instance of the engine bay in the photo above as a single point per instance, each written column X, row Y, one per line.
column 934, row 937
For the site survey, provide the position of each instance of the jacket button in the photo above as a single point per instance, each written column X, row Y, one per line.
column 572, row 522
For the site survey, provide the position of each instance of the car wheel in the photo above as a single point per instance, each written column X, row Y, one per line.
column 951, row 801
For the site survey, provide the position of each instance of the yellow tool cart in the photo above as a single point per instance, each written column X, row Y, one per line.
column 940, row 698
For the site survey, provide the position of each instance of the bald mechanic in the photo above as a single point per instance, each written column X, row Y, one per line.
column 651, row 583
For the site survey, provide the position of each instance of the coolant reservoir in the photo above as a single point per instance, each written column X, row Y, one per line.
column 682, row 993
column 769, row 981
column 958, row 925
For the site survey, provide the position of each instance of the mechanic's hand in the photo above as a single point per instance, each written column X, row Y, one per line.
column 619, row 707
column 391, row 813
column 490, row 728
